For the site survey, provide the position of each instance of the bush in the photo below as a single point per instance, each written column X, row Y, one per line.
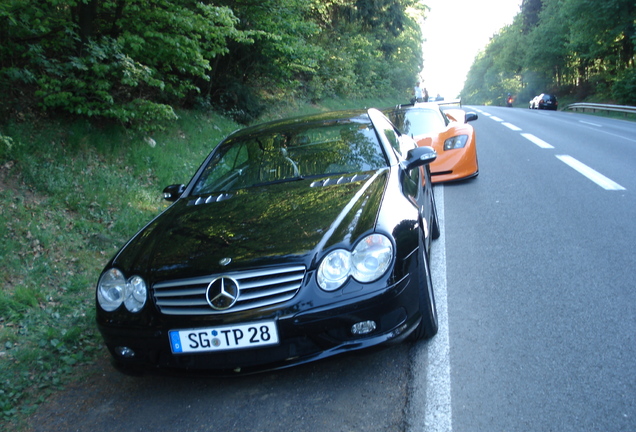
column 624, row 89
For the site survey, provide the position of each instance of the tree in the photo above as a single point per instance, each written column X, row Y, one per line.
column 582, row 47
column 123, row 60
column 133, row 61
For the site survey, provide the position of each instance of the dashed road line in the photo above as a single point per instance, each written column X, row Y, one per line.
column 590, row 173
column 598, row 178
column 537, row 141
column 511, row 126
column 590, row 123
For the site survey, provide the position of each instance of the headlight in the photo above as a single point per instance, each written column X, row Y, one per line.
column 135, row 294
column 334, row 270
column 456, row 142
column 369, row 260
column 113, row 289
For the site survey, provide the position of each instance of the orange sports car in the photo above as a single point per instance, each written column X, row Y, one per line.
column 447, row 131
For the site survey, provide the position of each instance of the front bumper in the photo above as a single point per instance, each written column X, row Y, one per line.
column 458, row 164
column 307, row 335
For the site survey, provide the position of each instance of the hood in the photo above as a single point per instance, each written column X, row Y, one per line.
column 287, row 222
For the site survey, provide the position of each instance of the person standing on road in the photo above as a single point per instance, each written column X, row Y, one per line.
column 417, row 92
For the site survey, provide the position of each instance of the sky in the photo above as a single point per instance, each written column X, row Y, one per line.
column 455, row 31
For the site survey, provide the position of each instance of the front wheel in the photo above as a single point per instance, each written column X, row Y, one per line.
column 435, row 229
column 428, row 326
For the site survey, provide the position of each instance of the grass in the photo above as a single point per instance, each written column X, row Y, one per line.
column 72, row 193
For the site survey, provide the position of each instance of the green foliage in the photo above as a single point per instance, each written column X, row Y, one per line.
column 7, row 145
column 135, row 62
column 127, row 61
column 72, row 194
column 624, row 89
column 577, row 47
column 374, row 49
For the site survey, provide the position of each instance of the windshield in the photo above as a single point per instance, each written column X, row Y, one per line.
column 296, row 152
column 418, row 121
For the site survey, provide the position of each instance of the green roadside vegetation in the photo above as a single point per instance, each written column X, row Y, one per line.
column 106, row 102
column 577, row 50
column 72, row 193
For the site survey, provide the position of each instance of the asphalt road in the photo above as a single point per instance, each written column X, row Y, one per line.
column 540, row 283
column 535, row 288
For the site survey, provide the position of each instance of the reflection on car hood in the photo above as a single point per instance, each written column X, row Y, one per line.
column 288, row 222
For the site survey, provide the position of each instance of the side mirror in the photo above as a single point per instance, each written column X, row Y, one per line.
column 470, row 116
column 419, row 156
column 173, row 192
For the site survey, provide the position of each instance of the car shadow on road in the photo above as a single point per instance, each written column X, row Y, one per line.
column 358, row 391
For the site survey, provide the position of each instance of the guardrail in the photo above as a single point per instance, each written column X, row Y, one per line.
column 602, row 107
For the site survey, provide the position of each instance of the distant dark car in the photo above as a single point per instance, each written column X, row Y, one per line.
column 544, row 101
column 295, row 240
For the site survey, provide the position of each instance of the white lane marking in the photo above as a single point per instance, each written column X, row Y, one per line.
column 589, row 123
column 511, row 126
column 590, row 173
column 619, row 136
column 486, row 113
column 537, row 141
column 430, row 407
column 495, row 118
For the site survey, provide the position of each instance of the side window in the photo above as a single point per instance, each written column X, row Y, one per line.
column 223, row 170
column 411, row 182
column 393, row 138
column 230, row 161
column 400, row 143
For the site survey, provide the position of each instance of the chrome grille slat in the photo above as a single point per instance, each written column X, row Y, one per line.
column 258, row 304
column 277, row 281
column 184, row 292
column 181, row 311
column 259, row 288
column 183, row 282
column 178, row 303
column 266, row 293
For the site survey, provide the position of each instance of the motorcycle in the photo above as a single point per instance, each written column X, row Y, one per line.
column 509, row 101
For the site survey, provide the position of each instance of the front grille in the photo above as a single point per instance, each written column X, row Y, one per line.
column 258, row 288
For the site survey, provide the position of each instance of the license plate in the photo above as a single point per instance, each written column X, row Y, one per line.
column 223, row 338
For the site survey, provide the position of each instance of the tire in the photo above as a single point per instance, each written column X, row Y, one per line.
column 435, row 230
column 428, row 326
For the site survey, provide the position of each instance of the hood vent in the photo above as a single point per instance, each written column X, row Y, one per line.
column 209, row 199
column 345, row 179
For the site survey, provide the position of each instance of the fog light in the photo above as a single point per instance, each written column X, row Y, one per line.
column 125, row 352
column 363, row 327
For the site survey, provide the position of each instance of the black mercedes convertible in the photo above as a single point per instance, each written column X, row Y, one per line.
column 295, row 240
